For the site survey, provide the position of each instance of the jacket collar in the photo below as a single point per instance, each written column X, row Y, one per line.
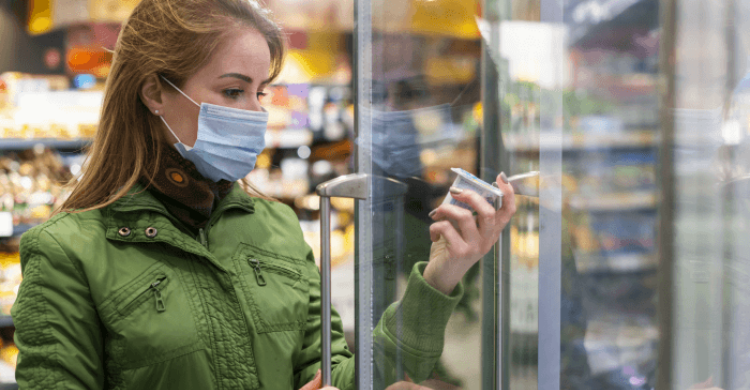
column 139, row 211
column 139, row 199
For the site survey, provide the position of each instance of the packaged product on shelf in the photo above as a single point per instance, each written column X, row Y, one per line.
column 613, row 343
column 616, row 171
column 286, row 106
column 4, row 98
column 8, row 367
column 615, row 241
column 31, row 184
column 42, row 106
column 86, row 131
column 6, row 194
column 10, row 279
column 9, row 354
column 17, row 82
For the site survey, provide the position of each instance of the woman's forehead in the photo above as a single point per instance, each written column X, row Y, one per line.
column 244, row 52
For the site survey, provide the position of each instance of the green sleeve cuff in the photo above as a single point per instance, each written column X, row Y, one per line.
column 421, row 317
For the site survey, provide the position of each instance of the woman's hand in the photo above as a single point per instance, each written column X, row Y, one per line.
column 316, row 383
column 406, row 384
column 459, row 240
column 707, row 385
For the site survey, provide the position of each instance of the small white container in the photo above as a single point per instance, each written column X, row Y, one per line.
column 467, row 181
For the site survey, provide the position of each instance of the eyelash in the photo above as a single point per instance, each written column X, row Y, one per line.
column 228, row 93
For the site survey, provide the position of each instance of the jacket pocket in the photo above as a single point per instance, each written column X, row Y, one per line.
column 275, row 288
column 150, row 320
column 149, row 291
column 259, row 265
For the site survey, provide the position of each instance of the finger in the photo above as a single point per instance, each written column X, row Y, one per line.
column 407, row 379
column 463, row 218
column 708, row 384
column 406, row 386
column 509, row 203
column 315, row 383
column 445, row 228
column 485, row 211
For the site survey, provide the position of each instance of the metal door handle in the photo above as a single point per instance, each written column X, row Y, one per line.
column 356, row 186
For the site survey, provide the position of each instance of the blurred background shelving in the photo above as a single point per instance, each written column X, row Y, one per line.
column 51, row 90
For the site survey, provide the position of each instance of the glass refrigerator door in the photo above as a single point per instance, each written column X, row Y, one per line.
column 703, row 294
column 439, row 95
column 418, row 114
column 567, row 297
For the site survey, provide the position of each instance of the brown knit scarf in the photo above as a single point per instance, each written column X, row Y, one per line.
column 187, row 195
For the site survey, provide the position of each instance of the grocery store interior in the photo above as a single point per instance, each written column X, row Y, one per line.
column 623, row 267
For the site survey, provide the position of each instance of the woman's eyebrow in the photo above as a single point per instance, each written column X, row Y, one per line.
column 242, row 77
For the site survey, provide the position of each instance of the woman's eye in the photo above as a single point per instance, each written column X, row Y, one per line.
column 233, row 93
column 261, row 94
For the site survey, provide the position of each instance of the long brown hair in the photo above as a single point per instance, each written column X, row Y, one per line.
column 173, row 38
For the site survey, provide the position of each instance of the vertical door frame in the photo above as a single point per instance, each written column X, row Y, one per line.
column 495, row 265
column 550, row 209
column 665, row 307
column 364, row 322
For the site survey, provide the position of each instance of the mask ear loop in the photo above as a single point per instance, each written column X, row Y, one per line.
column 175, row 135
column 165, row 122
column 183, row 93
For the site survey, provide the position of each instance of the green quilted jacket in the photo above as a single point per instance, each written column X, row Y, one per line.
column 125, row 297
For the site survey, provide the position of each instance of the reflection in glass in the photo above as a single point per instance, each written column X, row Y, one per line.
column 420, row 116
column 608, row 51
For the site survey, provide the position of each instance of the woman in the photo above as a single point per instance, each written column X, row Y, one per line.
column 163, row 273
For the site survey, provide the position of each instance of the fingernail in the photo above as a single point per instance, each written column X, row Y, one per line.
column 505, row 178
column 456, row 191
column 432, row 213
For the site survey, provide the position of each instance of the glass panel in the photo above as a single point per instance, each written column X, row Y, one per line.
column 579, row 103
column 418, row 114
column 709, row 107
column 526, row 43
column 608, row 318
column 572, row 298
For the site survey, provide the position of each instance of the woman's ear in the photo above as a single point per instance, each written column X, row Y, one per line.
column 151, row 94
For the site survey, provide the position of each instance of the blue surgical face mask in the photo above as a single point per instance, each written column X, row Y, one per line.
column 229, row 140
column 396, row 140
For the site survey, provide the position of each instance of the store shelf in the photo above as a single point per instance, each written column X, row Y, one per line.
column 21, row 229
column 274, row 139
column 631, row 262
column 615, row 202
column 18, row 230
column 601, row 28
column 580, row 142
column 6, row 321
column 49, row 143
column 288, row 138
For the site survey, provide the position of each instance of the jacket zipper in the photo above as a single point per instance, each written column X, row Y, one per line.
column 153, row 288
column 203, row 233
column 202, row 237
column 160, row 305
column 258, row 275
column 256, row 264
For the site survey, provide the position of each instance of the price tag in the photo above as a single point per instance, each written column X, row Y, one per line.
column 6, row 224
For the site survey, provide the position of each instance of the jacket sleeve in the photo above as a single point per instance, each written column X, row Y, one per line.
column 57, row 328
column 410, row 332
